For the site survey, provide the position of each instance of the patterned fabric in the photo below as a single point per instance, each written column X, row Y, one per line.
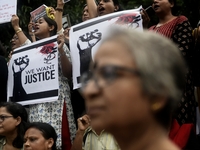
column 180, row 31
column 102, row 142
column 52, row 112
column 3, row 142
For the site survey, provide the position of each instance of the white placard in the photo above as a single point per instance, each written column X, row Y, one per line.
column 7, row 9
column 33, row 73
column 85, row 38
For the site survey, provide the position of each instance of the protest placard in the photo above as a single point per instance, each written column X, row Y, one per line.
column 85, row 38
column 38, row 13
column 7, row 9
column 33, row 73
column 65, row 1
column 66, row 21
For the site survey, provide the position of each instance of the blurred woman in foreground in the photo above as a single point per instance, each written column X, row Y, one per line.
column 133, row 88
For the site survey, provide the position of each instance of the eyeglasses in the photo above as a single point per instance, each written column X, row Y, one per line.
column 105, row 75
column 2, row 118
column 14, row 39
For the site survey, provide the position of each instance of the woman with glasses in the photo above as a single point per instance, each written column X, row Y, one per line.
column 13, row 121
column 133, row 87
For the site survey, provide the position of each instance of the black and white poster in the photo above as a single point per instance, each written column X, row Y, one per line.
column 33, row 73
column 86, row 37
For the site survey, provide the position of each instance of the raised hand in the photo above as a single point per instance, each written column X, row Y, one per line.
column 15, row 22
column 83, row 123
column 61, row 41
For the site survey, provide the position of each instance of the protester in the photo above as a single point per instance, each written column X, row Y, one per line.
column 85, row 14
column 147, row 81
column 3, row 74
column 179, row 30
column 40, row 136
column 13, row 121
column 59, row 114
column 90, row 139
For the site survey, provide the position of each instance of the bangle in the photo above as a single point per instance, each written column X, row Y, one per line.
column 59, row 9
column 32, row 34
column 18, row 30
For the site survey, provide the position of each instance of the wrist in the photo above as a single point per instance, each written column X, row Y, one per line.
column 59, row 9
column 81, row 132
column 17, row 30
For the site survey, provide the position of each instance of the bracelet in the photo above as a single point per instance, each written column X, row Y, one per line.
column 59, row 9
column 32, row 34
column 18, row 30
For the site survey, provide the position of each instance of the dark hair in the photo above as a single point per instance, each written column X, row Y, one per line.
column 116, row 2
column 51, row 22
column 17, row 110
column 47, row 131
column 174, row 8
column 2, row 49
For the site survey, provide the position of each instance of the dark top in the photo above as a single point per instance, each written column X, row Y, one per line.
column 3, row 79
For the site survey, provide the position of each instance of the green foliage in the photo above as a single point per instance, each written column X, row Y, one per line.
column 189, row 8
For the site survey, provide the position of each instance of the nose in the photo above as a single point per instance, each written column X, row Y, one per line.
column 91, row 90
column 101, row 2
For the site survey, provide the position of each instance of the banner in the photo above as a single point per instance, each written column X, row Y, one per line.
column 85, row 38
column 7, row 9
column 33, row 73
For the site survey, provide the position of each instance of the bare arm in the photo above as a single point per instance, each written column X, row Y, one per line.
column 92, row 8
column 59, row 14
column 65, row 63
column 83, row 124
column 15, row 23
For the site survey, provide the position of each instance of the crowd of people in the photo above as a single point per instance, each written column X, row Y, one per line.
column 139, row 93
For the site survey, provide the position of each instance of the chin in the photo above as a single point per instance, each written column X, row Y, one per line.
column 98, row 124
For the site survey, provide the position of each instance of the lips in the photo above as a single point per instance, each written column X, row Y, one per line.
column 95, row 111
column 156, row 6
column 101, row 10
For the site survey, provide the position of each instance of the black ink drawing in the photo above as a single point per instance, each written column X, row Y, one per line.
column 85, row 44
column 18, row 66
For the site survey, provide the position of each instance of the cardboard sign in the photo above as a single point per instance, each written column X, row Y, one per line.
column 66, row 21
column 33, row 73
column 38, row 13
column 7, row 9
column 65, row 1
column 86, row 37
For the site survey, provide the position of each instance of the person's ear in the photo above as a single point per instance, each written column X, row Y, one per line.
column 51, row 28
column 116, row 8
column 50, row 143
column 18, row 120
column 172, row 4
column 158, row 103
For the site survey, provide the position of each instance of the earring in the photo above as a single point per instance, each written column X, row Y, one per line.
column 155, row 106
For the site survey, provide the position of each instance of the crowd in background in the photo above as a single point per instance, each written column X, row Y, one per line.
column 155, row 101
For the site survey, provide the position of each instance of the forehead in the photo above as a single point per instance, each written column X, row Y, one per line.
column 33, row 132
column 3, row 110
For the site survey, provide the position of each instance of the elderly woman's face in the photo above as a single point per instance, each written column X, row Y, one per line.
column 114, row 96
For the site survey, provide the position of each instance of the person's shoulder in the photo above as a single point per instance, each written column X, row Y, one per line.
column 181, row 18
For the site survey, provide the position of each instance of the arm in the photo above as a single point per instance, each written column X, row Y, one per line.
column 18, row 30
column 31, row 31
column 183, row 38
column 65, row 63
column 83, row 124
column 92, row 8
column 59, row 14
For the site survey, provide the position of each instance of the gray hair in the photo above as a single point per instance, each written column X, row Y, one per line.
column 158, row 60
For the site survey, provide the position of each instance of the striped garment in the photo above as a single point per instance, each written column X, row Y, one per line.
column 104, row 141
